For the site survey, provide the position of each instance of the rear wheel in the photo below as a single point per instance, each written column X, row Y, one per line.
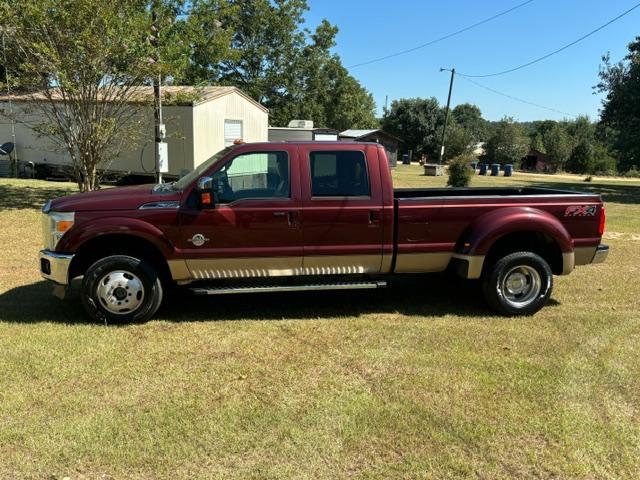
column 518, row 284
column 121, row 289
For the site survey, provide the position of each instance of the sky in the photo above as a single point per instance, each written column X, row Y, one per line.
column 374, row 28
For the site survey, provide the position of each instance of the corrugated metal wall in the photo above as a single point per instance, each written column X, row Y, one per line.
column 208, row 124
column 138, row 158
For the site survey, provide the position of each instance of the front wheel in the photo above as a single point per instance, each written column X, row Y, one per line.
column 121, row 289
column 518, row 284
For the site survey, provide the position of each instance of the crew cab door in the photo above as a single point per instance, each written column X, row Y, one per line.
column 254, row 228
column 342, row 209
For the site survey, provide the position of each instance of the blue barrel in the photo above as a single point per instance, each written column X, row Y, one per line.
column 483, row 169
column 405, row 159
column 508, row 170
column 495, row 169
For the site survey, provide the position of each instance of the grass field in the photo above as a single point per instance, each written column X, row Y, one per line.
column 416, row 381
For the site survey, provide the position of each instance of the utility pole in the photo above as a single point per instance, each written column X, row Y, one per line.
column 14, row 163
column 161, row 150
column 446, row 113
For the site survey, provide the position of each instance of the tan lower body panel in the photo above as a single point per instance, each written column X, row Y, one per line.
column 474, row 264
column 422, row 262
column 584, row 255
column 202, row 269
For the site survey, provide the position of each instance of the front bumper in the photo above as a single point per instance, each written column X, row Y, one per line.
column 55, row 266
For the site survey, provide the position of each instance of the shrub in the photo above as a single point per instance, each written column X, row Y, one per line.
column 633, row 172
column 588, row 179
column 459, row 171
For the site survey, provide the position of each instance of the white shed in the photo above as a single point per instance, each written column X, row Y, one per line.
column 200, row 121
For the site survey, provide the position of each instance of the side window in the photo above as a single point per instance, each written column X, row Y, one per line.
column 253, row 175
column 339, row 174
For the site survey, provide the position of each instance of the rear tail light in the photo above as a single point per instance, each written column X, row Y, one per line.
column 602, row 222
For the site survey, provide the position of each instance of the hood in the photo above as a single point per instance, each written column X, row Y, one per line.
column 121, row 198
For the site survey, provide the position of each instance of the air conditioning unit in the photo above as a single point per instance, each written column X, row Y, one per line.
column 301, row 124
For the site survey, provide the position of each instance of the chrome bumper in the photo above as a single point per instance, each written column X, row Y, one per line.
column 55, row 266
column 601, row 254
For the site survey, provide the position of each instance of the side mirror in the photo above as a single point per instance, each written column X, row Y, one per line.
column 205, row 192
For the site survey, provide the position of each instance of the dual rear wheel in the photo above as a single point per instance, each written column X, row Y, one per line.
column 518, row 284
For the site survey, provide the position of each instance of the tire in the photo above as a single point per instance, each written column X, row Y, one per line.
column 518, row 284
column 121, row 289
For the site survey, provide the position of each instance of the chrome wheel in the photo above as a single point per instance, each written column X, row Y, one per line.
column 521, row 286
column 120, row 292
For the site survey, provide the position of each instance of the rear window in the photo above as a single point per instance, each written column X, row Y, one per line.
column 339, row 174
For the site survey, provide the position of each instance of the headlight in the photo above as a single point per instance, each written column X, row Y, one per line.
column 55, row 225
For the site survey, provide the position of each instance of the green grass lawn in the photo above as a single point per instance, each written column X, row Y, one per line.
column 416, row 381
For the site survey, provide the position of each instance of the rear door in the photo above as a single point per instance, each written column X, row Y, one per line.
column 341, row 209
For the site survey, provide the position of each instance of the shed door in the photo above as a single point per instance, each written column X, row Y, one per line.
column 232, row 131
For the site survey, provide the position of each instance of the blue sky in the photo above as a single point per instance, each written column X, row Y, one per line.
column 374, row 28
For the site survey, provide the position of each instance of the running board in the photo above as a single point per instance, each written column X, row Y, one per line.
column 288, row 288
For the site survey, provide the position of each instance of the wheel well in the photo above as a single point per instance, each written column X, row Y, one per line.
column 118, row 244
column 539, row 243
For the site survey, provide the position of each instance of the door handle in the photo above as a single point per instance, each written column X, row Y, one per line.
column 292, row 217
column 374, row 217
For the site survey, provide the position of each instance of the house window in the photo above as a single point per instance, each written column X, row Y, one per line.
column 232, row 131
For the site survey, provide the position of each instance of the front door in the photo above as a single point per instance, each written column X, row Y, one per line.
column 342, row 209
column 254, row 230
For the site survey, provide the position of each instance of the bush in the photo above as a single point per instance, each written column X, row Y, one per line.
column 459, row 171
column 588, row 179
column 633, row 172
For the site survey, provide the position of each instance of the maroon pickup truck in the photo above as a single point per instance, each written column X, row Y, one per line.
column 269, row 217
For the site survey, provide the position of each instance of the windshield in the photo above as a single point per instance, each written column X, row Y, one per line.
column 191, row 176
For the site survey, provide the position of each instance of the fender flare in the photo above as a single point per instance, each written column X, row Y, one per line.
column 76, row 238
column 478, row 238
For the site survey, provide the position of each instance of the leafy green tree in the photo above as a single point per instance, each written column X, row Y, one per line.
column 415, row 120
column 469, row 117
column 80, row 61
column 508, row 143
column 557, row 144
column 276, row 61
column 620, row 82
column 537, row 143
column 458, row 140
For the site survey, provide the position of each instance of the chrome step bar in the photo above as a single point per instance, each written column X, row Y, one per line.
column 288, row 288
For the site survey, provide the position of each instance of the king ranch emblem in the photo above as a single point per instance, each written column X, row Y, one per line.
column 580, row 211
column 198, row 240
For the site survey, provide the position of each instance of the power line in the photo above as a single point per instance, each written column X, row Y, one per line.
column 431, row 42
column 518, row 99
column 524, row 65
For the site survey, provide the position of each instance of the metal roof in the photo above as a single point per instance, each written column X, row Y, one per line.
column 171, row 95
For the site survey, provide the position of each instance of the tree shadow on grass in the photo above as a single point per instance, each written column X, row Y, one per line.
column 434, row 295
column 19, row 197
column 616, row 193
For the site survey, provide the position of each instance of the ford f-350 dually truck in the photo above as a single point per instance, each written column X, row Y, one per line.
column 292, row 216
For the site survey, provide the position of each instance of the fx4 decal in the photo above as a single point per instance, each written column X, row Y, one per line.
column 580, row 211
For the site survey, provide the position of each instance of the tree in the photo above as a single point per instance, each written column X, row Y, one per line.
column 558, row 147
column 415, row 120
column 277, row 62
column 458, row 140
column 620, row 82
column 469, row 117
column 80, row 62
column 508, row 143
